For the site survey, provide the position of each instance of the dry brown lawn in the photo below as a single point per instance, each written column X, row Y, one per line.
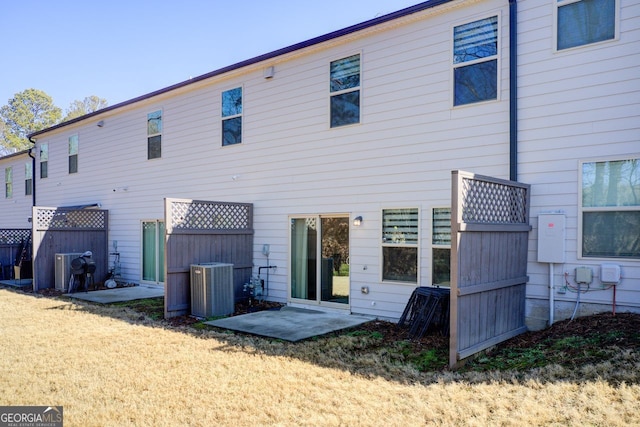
column 110, row 366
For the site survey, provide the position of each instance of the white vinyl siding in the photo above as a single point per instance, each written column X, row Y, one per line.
column 296, row 164
column 401, row 155
column 590, row 115
column 15, row 212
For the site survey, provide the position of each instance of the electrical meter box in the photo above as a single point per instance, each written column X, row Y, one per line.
column 551, row 240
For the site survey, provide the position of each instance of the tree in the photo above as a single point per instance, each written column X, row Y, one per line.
column 88, row 105
column 27, row 112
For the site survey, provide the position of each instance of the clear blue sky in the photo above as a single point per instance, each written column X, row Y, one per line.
column 120, row 49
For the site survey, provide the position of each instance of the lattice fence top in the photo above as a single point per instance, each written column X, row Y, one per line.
column 203, row 215
column 487, row 202
column 51, row 218
column 13, row 236
column 309, row 223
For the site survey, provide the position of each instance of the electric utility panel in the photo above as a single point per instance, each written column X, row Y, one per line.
column 551, row 237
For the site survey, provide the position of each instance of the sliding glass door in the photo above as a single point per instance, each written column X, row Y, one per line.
column 153, row 251
column 320, row 260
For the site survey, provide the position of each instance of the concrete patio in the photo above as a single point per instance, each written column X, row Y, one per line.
column 290, row 323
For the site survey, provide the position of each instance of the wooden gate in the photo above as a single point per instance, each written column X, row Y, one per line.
column 66, row 230
column 200, row 231
column 490, row 232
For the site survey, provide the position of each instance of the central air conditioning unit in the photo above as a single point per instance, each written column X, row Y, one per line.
column 212, row 289
column 62, row 270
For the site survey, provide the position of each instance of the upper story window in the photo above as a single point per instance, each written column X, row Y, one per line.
column 581, row 22
column 610, row 208
column 400, row 245
column 44, row 161
column 154, row 135
column 232, row 116
column 345, row 91
column 8, row 183
column 441, row 247
column 475, row 61
column 28, row 179
column 73, row 154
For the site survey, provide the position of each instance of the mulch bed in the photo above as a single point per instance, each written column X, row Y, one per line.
column 625, row 325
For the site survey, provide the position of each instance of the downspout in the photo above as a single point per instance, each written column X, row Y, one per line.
column 513, row 90
column 33, row 204
column 33, row 172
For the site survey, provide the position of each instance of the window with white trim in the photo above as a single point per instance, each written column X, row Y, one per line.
column 610, row 208
column 581, row 22
column 232, row 116
column 400, row 239
column 44, row 161
column 28, row 179
column 73, row 154
column 8, row 183
column 475, row 61
column 344, row 88
column 441, row 246
column 154, row 135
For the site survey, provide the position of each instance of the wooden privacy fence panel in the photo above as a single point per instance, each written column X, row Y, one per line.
column 199, row 231
column 67, row 230
column 489, row 237
column 11, row 240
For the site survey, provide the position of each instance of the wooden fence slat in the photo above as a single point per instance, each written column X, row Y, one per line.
column 66, row 230
column 485, row 287
column 489, row 227
column 195, row 233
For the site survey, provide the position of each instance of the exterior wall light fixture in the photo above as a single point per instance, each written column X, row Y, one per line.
column 357, row 221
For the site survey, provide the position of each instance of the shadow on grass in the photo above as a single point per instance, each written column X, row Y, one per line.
column 600, row 347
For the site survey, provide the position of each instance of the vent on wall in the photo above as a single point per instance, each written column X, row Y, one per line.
column 62, row 270
column 212, row 289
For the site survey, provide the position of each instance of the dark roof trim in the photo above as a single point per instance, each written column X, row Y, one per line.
column 80, row 207
column 298, row 46
column 16, row 154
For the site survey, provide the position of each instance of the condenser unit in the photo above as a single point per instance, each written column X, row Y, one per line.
column 62, row 270
column 212, row 289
